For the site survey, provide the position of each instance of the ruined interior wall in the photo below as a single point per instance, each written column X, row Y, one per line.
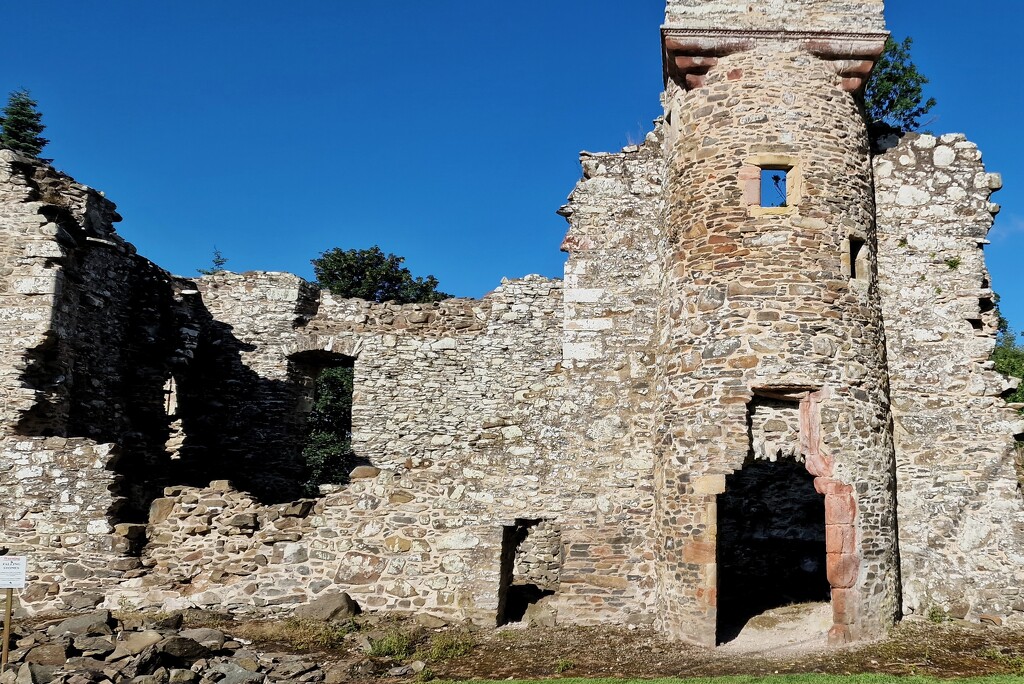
column 539, row 558
column 452, row 411
column 774, row 430
column 790, row 15
column 960, row 508
column 86, row 328
column 457, row 408
column 237, row 404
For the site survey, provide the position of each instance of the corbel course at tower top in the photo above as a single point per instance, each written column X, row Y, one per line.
column 693, row 37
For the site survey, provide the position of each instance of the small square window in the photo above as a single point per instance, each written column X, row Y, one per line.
column 774, row 187
column 771, row 184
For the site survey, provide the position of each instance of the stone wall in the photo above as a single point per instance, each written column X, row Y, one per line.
column 91, row 328
column 27, row 290
column 960, row 506
column 539, row 558
column 607, row 413
column 423, row 529
column 57, row 509
column 759, row 302
column 602, row 438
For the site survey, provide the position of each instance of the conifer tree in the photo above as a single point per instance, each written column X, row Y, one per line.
column 22, row 124
column 895, row 92
column 216, row 265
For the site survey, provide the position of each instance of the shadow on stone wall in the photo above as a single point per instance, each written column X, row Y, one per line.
column 237, row 425
column 134, row 358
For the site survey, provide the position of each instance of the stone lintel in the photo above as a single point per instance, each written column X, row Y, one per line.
column 690, row 53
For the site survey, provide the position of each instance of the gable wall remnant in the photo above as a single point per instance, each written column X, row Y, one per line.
column 961, row 510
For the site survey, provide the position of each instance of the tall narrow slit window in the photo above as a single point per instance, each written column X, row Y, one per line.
column 858, row 259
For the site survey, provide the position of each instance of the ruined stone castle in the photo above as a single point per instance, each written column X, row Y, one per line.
column 763, row 379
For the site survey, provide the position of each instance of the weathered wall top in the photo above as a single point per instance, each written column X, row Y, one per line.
column 830, row 16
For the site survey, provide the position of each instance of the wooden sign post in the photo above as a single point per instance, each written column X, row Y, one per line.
column 12, row 576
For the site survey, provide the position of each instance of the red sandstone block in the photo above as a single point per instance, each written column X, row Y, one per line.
column 750, row 173
column 752, row 192
column 839, row 635
column 844, row 606
column 700, row 553
column 840, row 539
column 734, row 74
column 819, row 465
column 842, row 569
column 840, row 509
column 706, row 597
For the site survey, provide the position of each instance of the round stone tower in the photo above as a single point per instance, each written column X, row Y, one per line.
column 771, row 346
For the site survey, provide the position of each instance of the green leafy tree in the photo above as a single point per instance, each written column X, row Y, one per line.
column 216, row 264
column 894, row 95
column 328, row 448
column 371, row 274
column 22, row 124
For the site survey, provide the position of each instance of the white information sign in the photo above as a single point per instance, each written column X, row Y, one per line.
column 12, row 572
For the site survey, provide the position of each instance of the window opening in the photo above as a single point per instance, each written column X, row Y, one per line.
column 324, row 383
column 171, row 398
column 771, row 184
column 858, row 259
column 774, row 186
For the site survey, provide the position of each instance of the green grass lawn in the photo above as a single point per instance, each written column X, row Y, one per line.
column 785, row 679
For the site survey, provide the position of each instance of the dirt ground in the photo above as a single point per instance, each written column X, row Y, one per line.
column 913, row 648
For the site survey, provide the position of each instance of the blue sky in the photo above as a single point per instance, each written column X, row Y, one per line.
column 444, row 131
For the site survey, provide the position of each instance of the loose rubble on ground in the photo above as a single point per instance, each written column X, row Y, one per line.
column 98, row 647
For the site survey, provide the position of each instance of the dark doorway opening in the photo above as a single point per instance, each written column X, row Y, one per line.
column 530, row 561
column 771, row 543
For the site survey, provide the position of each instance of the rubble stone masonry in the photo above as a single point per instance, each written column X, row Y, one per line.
column 757, row 302
column 960, row 506
column 572, row 436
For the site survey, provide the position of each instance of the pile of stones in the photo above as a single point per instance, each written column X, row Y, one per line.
column 98, row 648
